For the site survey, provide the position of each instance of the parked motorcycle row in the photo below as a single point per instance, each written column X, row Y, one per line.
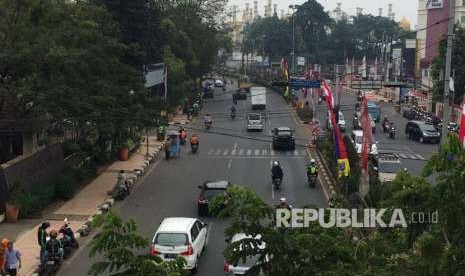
column 419, row 114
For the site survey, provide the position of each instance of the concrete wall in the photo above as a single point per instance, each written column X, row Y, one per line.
column 30, row 170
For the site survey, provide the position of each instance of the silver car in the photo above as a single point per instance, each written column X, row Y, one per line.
column 255, row 121
column 243, row 266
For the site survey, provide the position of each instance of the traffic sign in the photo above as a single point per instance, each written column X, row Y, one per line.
column 305, row 83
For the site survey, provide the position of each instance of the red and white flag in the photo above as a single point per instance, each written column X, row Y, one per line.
column 367, row 140
column 328, row 92
column 462, row 126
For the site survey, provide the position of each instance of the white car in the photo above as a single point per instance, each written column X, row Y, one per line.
column 243, row 266
column 219, row 83
column 180, row 237
column 341, row 122
column 254, row 122
column 357, row 139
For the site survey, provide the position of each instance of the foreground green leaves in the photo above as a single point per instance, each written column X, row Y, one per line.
column 119, row 245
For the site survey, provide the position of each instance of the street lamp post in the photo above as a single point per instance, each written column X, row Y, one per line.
column 293, row 7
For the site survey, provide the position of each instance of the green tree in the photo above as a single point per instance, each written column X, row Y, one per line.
column 117, row 243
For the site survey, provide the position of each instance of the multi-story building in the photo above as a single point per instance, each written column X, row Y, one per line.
column 431, row 29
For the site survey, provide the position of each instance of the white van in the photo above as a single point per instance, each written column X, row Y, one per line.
column 258, row 97
column 180, row 237
column 357, row 139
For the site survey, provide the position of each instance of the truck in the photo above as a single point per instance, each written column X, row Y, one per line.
column 258, row 97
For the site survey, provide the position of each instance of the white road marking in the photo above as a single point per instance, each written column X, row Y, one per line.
column 419, row 156
column 257, row 152
column 264, row 152
column 233, row 152
column 210, row 152
column 225, row 152
column 218, row 152
column 235, row 146
column 304, row 152
column 229, row 164
column 272, row 152
column 241, row 151
column 271, row 146
column 249, row 152
column 402, row 155
column 296, row 152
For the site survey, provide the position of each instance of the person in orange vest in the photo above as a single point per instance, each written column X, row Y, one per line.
column 3, row 248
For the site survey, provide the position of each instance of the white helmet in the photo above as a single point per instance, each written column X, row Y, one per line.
column 283, row 200
column 66, row 221
column 275, row 163
column 312, row 161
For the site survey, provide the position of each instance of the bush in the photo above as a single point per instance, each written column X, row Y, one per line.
column 70, row 147
column 65, row 185
column 45, row 193
column 28, row 203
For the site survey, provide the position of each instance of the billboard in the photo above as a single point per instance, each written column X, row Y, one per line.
column 434, row 4
column 301, row 61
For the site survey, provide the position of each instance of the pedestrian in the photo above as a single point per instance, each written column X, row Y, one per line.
column 42, row 238
column 3, row 248
column 12, row 260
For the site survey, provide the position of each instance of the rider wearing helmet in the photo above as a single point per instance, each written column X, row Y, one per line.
column 283, row 204
column 276, row 171
column 312, row 168
column 207, row 119
column 53, row 246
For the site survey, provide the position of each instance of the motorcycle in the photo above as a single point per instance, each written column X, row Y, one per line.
column 233, row 115
column 312, row 179
column 182, row 140
column 121, row 191
column 386, row 127
column 392, row 132
column 194, row 148
column 277, row 182
column 52, row 263
column 208, row 125
column 224, row 88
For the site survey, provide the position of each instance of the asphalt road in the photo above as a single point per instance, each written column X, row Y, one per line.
column 227, row 151
column 413, row 154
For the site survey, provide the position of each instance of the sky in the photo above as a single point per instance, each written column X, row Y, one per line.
column 401, row 8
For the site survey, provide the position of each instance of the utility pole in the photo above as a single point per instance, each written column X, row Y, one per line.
column 293, row 7
column 447, row 91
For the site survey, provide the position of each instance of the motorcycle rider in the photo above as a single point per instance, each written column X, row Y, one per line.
column 233, row 110
column 182, row 133
column 53, row 247
column 207, row 119
column 122, row 180
column 312, row 168
column 276, row 171
column 283, row 204
column 385, row 123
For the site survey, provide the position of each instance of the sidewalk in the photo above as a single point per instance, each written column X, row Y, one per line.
column 80, row 209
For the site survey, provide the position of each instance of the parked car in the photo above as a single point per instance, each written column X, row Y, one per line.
column 357, row 139
column 255, row 121
column 240, row 94
column 180, row 237
column 243, row 266
column 423, row 132
column 283, row 138
column 341, row 122
column 208, row 190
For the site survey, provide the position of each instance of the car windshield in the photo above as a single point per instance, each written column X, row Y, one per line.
column 373, row 110
column 358, row 139
column 210, row 193
column 341, row 117
column 171, row 239
column 389, row 167
column 428, row 128
column 254, row 117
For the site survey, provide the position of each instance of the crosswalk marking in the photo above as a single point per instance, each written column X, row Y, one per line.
column 225, row 152
column 296, row 152
column 419, row 157
column 272, row 152
column 403, row 155
column 304, row 152
column 218, row 152
column 210, row 152
column 241, row 151
column 233, row 152
column 257, row 152
column 264, row 152
column 249, row 152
